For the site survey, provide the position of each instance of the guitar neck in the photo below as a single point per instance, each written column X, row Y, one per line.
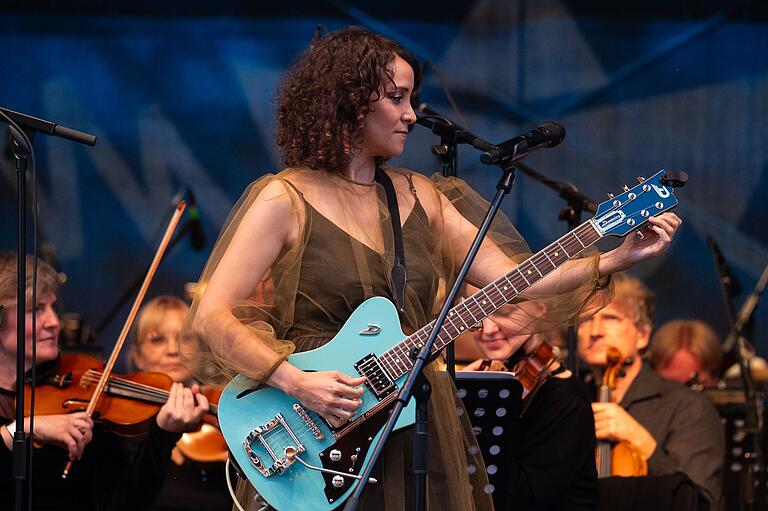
column 490, row 298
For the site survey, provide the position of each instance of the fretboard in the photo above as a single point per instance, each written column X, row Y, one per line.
column 501, row 291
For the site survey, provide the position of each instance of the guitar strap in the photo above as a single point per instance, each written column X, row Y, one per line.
column 399, row 278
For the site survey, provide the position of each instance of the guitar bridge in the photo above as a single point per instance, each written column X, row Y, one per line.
column 289, row 452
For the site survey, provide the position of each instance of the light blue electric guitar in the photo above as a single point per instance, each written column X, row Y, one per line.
column 296, row 460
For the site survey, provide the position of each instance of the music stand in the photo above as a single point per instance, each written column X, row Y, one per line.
column 493, row 401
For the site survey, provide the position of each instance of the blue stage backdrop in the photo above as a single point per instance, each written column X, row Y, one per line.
column 186, row 101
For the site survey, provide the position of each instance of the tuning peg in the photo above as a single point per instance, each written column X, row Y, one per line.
column 611, row 196
column 626, row 188
column 640, row 179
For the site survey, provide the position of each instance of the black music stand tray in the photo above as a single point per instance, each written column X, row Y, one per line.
column 493, row 401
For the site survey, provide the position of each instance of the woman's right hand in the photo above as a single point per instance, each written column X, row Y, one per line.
column 332, row 394
column 71, row 431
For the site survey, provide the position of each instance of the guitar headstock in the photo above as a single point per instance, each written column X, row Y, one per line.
column 626, row 212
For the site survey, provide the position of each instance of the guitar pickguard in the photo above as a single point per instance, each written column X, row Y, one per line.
column 348, row 453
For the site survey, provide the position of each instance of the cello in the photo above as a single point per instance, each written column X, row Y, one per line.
column 620, row 458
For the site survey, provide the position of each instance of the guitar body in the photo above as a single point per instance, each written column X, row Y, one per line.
column 242, row 409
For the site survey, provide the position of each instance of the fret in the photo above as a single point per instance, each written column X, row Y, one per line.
column 487, row 298
column 505, row 277
column 563, row 249
column 497, row 288
column 383, row 362
column 388, row 362
column 536, row 267
column 469, row 310
column 397, row 361
column 576, row 235
column 441, row 342
column 456, row 314
column 521, row 274
column 540, row 260
column 550, row 260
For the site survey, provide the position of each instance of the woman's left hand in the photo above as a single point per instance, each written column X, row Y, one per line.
column 184, row 409
column 656, row 237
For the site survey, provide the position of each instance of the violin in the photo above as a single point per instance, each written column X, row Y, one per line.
column 126, row 407
column 620, row 458
column 531, row 369
column 128, row 403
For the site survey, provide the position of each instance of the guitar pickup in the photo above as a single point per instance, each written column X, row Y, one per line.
column 378, row 379
column 289, row 451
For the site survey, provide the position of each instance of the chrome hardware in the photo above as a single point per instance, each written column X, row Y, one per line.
column 631, row 221
column 377, row 379
column 626, row 188
column 290, row 453
column 631, row 196
column 373, row 329
column 335, row 455
column 353, row 457
column 640, row 235
column 334, row 472
column 646, row 188
column 645, row 213
column 337, row 481
column 616, row 203
column 659, row 205
column 301, row 412
column 611, row 196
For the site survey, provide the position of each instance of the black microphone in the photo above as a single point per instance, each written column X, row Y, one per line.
column 48, row 127
column 727, row 278
column 196, row 233
column 548, row 134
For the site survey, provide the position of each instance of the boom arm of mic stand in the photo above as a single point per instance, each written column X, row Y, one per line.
column 567, row 191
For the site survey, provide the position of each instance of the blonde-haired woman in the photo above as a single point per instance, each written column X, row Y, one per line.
column 189, row 483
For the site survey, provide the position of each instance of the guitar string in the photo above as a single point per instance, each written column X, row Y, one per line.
column 574, row 242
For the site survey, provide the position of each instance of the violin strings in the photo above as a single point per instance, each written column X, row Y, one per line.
column 145, row 391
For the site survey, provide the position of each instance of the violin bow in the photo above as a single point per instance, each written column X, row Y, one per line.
column 106, row 373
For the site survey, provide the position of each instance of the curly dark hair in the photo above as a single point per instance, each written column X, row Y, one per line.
column 325, row 96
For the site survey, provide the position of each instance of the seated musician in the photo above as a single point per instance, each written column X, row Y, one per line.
column 687, row 351
column 676, row 429
column 104, row 475
column 193, row 480
column 553, row 467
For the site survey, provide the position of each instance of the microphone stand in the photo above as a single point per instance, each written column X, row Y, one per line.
column 22, row 130
column 753, row 418
column 416, row 383
column 575, row 204
column 447, row 152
